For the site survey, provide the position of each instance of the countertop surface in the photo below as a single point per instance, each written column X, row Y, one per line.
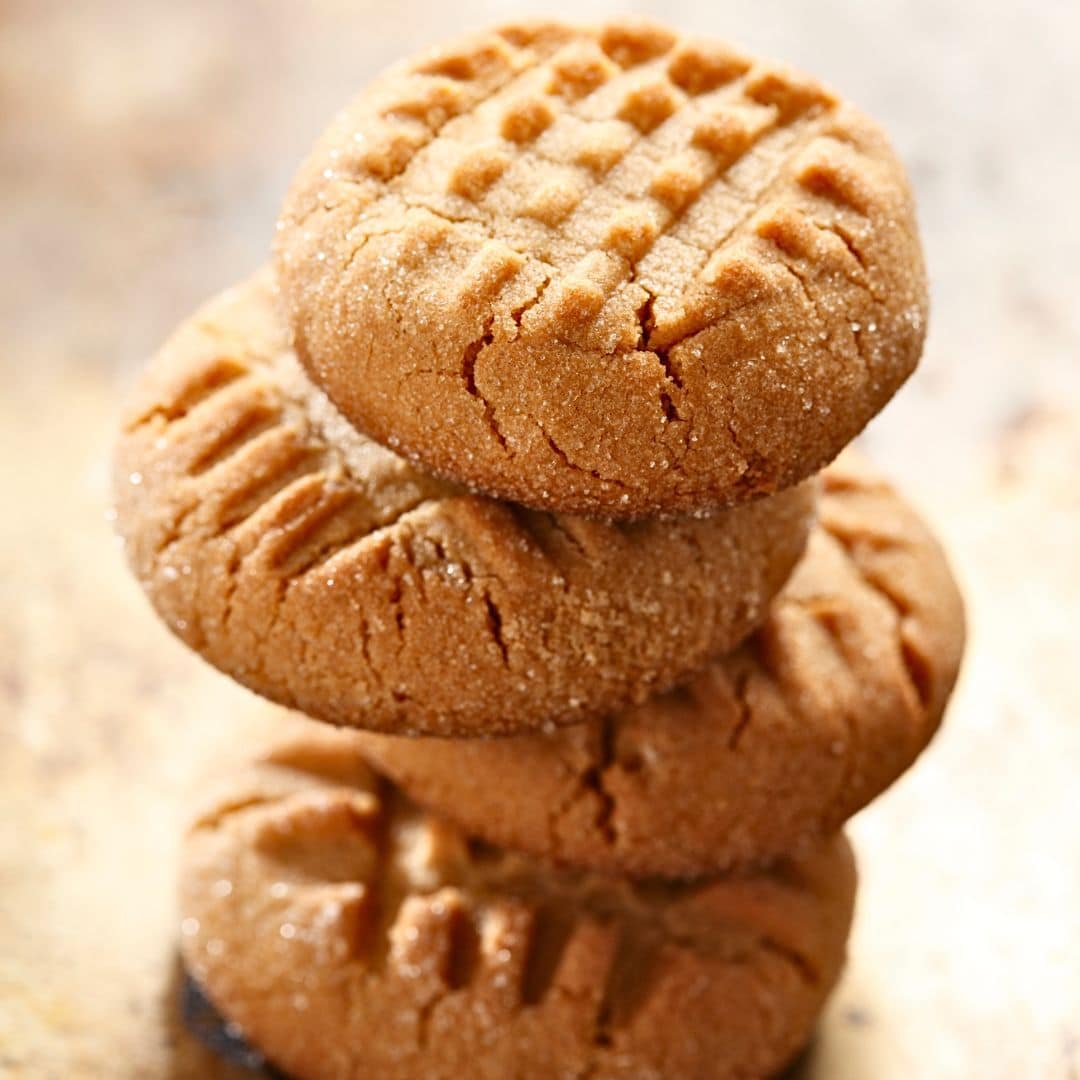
column 143, row 151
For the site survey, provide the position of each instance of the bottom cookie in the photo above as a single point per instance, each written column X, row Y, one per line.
column 345, row 932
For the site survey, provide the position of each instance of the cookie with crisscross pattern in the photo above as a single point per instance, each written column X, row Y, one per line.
column 323, row 571
column 344, row 932
column 771, row 748
column 607, row 270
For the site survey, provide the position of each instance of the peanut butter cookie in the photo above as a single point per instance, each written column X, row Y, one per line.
column 347, row 933
column 320, row 570
column 765, row 753
column 610, row 271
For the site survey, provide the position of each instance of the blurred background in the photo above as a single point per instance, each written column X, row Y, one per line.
column 144, row 150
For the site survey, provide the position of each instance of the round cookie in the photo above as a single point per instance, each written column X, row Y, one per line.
column 320, row 570
column 608, row 271
column 347, row 933
column 768, row 751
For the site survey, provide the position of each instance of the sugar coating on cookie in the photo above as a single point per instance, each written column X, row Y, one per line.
column 611, row 270
column 347, row 933
column 324, row 572
column 770, row 749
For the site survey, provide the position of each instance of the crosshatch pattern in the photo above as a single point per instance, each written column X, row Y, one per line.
column 608, row 201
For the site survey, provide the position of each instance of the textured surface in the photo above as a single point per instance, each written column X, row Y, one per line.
column 321, row 570
column 768, row 751
column 606, row 271
column 349, row 934
column 147, row 177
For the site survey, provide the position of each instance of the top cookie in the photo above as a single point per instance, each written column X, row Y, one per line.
column 608, row 271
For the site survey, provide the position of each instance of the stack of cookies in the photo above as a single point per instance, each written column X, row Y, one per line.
column 507, row 468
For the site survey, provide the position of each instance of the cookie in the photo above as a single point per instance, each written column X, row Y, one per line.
column 320, row 570
column 344, row 933
column 768, row 751
column 610, row 271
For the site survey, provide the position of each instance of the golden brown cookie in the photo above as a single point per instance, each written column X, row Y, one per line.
column 610, row 271
column 768, row 751
column 348, row 933
column 322, row 571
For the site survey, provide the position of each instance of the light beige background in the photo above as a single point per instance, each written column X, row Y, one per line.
column 143, row 150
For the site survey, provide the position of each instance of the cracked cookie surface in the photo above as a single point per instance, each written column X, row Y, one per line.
column 610, row 271
column 770, row 749
column 322, row 571
column 348, row 933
